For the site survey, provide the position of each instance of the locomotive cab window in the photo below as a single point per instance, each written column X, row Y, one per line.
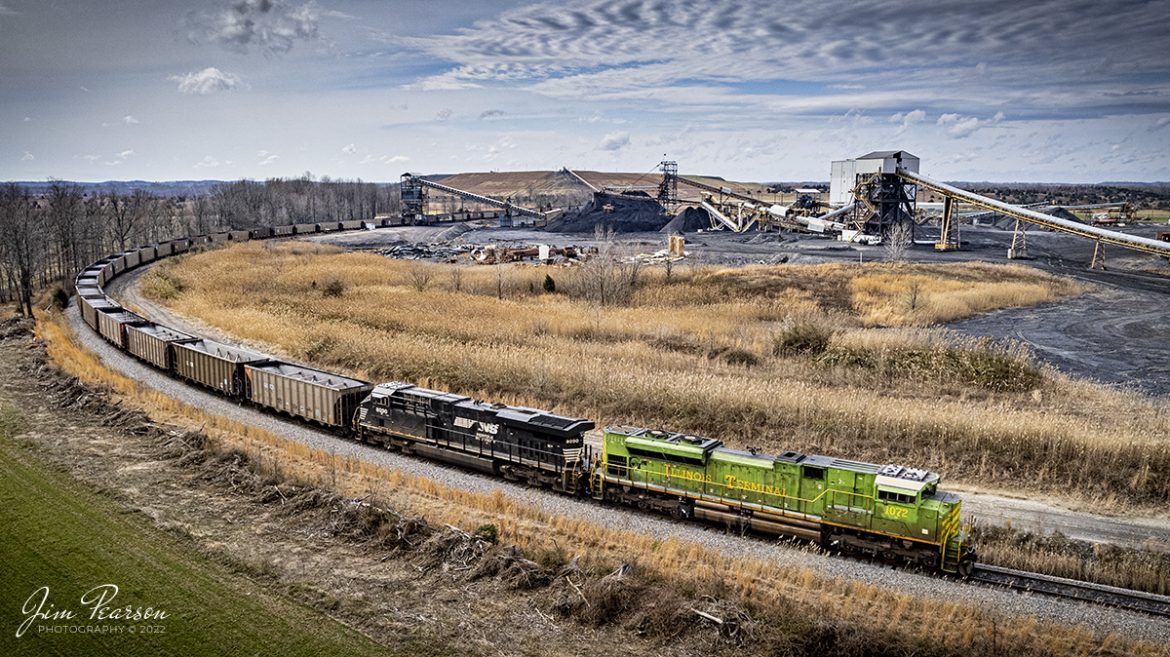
column 900, row 498
column 813, row 472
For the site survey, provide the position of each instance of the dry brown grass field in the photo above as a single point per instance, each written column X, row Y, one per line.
column 835, row 359
column 927, row 625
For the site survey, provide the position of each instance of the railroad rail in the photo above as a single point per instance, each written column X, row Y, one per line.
column 1100, row 594
column 106, row 270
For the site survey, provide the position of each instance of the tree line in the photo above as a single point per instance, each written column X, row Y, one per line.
column 48, row 237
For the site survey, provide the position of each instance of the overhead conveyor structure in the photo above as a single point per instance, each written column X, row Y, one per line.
column 1099, row 235
column 725, row 191
column 717, row 216
column 748, row 210
column 575, row 176
column 414, row 200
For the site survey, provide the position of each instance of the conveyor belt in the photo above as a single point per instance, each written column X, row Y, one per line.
column 1095, row 233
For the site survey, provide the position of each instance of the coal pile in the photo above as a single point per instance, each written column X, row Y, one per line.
column 688, row 221
column 628, row 212
column 1062, row 213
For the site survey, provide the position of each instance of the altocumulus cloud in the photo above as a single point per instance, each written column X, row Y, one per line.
column 208, row 81
column 964, row 126
column 614, row 141
column 272, row 26
column 916, row 51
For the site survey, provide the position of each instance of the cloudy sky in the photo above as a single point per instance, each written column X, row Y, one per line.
column 1046, row 90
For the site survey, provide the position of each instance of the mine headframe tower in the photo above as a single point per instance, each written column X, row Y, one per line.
column 882, row 199
column 414, row 199
column 668, row 188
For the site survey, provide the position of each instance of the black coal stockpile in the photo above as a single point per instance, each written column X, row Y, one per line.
column 688, row 220
column 628, row 212
column 1061, row 213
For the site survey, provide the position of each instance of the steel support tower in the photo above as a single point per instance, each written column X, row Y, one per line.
column 414, row 200
column 948, row 228
column 884, row 201
column 668, row 188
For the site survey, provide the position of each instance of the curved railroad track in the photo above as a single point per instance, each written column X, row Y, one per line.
column 1100, row 594
column 1048, row 585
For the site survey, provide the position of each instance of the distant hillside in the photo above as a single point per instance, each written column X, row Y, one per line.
column 164, row 188
column 527, row 184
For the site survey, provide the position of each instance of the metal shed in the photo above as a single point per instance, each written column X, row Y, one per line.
column 152, row 343
column 844, row 173
column 214, row 365
column 312, row 394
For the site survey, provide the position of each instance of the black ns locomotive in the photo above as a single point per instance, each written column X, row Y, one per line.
column 517, row 443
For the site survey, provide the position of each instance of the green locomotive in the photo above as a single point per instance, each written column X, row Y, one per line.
column 882, row 510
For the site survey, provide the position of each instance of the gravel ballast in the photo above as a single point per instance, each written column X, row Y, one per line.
column 926, row 586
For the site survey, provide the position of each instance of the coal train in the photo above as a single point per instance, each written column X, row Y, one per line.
column 883, row 510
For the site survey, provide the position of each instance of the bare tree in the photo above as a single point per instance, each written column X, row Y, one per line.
column 64, row 221
column 201, row 213
column 21, row 241
column 119, row 219
column 897, row 241
column 611, row 275
column 419, row 274
column 142, row 209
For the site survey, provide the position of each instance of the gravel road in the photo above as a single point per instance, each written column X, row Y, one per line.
column 925, row 586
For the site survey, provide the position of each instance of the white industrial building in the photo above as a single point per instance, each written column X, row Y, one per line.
column 845, row 172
